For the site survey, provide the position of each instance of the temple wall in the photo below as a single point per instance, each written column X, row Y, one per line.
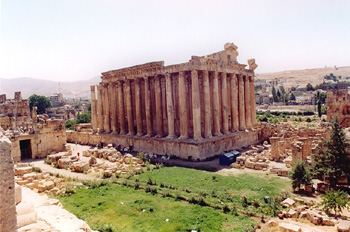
column 181, row 149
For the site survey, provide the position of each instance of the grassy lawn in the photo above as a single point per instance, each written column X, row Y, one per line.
column 190, row 199
column 203, row 182
column 122, row 207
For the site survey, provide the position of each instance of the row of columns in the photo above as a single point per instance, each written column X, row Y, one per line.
column 110, row 102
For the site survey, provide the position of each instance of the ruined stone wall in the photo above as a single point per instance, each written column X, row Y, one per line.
column 8, row 220
column 338, row 105
column 50, row 137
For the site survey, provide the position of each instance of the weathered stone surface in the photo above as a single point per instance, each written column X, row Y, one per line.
column 20, row 171
column 343, row 226
column 80, row 166
column 64, row 162
column 8, row 221
column 288, row 202
column 288, row 227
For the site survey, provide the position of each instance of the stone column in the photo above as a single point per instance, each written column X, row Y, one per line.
column 106, row 119
column 138, row 108
column 170, row 107
column 129, row 108
column 183, row 106
column 8, row 217
column 252, row 101
column 241, row 107
column 234, row 103
column 224, row 102
column 113, row 108
column 216, row 102
column 148, row 108
column 93, row 109
column 196, row 106
column 207, row 108
column 159, row 118
column 99, row 109
column 121, row 108
column 248, row 120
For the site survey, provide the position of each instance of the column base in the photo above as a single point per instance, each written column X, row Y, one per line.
column 226, row 132
column 198, row 138
column 139, row 134
column 130, row 134
column 183, row 137
column 148, row 135
column 217, row 133
column 171, row 137
column 159, row 136
column 209, row 136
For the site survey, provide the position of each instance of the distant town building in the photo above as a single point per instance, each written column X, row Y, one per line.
column 57, row 100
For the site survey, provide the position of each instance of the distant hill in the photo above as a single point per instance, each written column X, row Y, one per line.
column 29, row 86
column 300, row 78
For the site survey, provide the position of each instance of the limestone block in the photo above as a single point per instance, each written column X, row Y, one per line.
column 64, row 163
column 288, row 202
column 272, row 223
column 30, row 176
column 22, row 182
column 107, row 173
column 49, row 185
column 288, row 227
column 18, row 193
column 343, row 226
column 26, row 219
column 20, row 171
column 41, row 188
column 54, row 158
column 293, row 214
column 326, row 221
column 30, row 185
column 81, row 166
column 235, row 165
column 314, row 217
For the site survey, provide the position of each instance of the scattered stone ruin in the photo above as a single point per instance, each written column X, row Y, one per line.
column 31, row 136
column 14, row 112
column 196, row 109
column 338, row 105
column 8, row 220
column 287, row 145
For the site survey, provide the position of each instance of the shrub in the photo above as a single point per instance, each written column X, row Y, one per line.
column 226, row 209
column 37, row 169
column 336, row 201
column 256, row 203
column 308, row 119
column 300, row 174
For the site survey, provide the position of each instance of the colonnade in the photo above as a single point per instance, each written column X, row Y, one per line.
column 193, row 104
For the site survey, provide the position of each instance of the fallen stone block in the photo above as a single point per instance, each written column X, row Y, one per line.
column 64, row 163
column 314, row 217
column 53, row 158
column 293, row 214
column 81, row 166
column 343, row 226
column 235, row 165
column 20, row 171
column 288, row 227
column 288, row 202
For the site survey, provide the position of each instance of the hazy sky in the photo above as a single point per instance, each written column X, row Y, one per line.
column 67, row 40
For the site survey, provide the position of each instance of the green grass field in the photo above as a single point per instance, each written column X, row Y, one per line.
column 123, row 207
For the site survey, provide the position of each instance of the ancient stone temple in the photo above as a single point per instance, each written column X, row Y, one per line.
column 195, row 109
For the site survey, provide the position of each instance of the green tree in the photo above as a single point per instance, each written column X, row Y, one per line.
column 274, row 94
column 335, row 200
column 279, row 96
column 41, row 102
column 89, row 107
column 292, row 97
column 84, row 118
column 300, row 174
column 319, row 108
column 309, row 87
column 333, row 159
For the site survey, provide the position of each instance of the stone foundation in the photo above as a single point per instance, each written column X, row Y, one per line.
column 184, row 149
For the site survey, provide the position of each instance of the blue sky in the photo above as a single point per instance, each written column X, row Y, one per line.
column 67, row 40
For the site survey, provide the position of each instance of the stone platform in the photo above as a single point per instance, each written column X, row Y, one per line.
column 184, row 149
